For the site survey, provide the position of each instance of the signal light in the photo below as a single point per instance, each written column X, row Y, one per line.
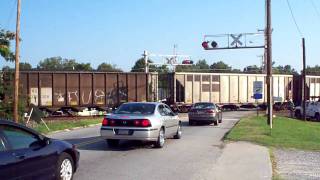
column 205, row 44
column 187, row 61
column 213, row 44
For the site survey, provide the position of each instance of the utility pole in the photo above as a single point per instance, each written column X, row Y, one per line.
column 268, row 34
column 145, row 56
column 304, row 80
column 16, row 75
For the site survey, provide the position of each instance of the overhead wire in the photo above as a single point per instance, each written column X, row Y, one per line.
column 315, row 8
column 294, row 19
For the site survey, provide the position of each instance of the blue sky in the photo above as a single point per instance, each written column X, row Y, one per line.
column 117, row 31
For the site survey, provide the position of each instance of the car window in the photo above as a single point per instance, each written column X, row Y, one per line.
column 161, row 110
column 136, row 108
column 18, row 138
column 168, row 111
column 204, row 106
column 2, row 147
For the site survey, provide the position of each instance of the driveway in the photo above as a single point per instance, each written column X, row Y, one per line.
column 192, row 157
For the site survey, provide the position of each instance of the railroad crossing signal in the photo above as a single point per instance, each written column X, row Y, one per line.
column 236, row 40
column 233, row 41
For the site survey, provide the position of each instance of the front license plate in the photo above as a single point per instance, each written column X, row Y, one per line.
column 123, row 132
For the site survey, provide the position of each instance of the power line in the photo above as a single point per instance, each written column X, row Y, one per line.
column 315, row 8
column 294, row 19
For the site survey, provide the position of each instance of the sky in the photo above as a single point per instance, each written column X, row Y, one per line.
column 118, row 31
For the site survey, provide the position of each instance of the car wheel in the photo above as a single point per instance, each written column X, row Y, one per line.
column 191, row 122
column 297, row 114
column 179, row 132
column 65, row 167
column 317, row 116
column 220, row 121
column 113, row 142
column 215, row 123
column 161, row 139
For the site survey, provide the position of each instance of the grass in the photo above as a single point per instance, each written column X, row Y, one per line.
column 61, row 125
column 286, row 133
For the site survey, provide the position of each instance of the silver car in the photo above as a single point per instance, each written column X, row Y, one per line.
column 205, row 112
column 141, row 121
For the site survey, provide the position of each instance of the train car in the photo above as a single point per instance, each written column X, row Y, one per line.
column 312, row 88
column 227, row 88
column 51, row 90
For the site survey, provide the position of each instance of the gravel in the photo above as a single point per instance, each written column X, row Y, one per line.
column 296, row 164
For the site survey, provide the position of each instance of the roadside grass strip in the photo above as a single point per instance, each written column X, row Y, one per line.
column 286, row 133
column 65, row 125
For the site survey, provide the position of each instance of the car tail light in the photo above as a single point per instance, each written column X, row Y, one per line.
column 112, row 122
column 105, row 122
column 145, row 123
column 137, row 122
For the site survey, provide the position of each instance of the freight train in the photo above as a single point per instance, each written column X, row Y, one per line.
column 72, row 91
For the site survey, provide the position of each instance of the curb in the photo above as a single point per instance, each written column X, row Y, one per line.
column 74, row 128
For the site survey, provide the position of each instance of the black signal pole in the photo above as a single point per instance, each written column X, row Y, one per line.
column 304, row 80
column 268, row 50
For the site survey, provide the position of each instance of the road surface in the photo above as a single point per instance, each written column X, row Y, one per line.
column 192, row 157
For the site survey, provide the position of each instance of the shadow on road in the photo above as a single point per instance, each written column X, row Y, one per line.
column 99, row 144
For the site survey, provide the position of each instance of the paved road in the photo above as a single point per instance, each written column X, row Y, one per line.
column 192, row 157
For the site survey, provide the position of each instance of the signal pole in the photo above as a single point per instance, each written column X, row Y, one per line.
column 268, row 49
column 304, row 80
column 146, row 63
column 16, row 75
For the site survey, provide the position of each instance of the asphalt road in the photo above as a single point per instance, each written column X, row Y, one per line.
column 192, row 157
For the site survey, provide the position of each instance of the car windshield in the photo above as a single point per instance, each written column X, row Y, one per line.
column 203, row 106
column 136, row 108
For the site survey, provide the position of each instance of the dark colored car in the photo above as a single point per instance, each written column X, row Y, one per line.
column 230, row 107
column 26, row 154
column 205, row 112
column 248, row 106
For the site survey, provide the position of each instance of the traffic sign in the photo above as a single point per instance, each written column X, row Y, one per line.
column 236, row 40
column 257, row 89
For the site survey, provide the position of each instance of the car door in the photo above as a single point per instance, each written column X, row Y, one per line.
column 172, row 120
column 164, row 117
column 34, row 160
column 7, row 160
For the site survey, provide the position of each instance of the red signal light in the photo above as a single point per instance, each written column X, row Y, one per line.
column 205, row 44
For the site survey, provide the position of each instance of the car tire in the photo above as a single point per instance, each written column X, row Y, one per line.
column 317, row 117
column 65, row 167
column 178, row 133
column 161, row 139
column 297, row 114
column 220, row 121
column 215, row 123
column 191, row 122
column 113, row 142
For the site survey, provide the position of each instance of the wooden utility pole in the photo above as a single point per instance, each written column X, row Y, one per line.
column 304, row 80
column 16, row 75
column 268, row 34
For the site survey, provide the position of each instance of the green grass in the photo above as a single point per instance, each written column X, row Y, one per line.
column 61, row 125
column 286, row 133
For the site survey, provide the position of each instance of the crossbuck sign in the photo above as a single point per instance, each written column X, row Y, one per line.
column 236, row 40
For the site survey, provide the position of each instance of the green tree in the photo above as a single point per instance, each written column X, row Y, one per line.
column 5, row 41
column 106, row 67
column 254, row 69
column 315, row 70
column 52, row 63
column 220, row 66
column 25, row 66
column 202, row 64
column 287, row 69
column 58, row 64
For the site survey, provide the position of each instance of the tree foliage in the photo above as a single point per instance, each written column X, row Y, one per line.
column 287, row 69
column 58, row 63
column 5, row 41
column 25, row 66
column 106, row 67
column 315, row 70
column 139, row 66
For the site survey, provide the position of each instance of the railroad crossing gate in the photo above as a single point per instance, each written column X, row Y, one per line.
column 257, row 89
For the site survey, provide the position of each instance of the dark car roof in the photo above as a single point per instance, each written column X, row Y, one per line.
column 8, row 122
